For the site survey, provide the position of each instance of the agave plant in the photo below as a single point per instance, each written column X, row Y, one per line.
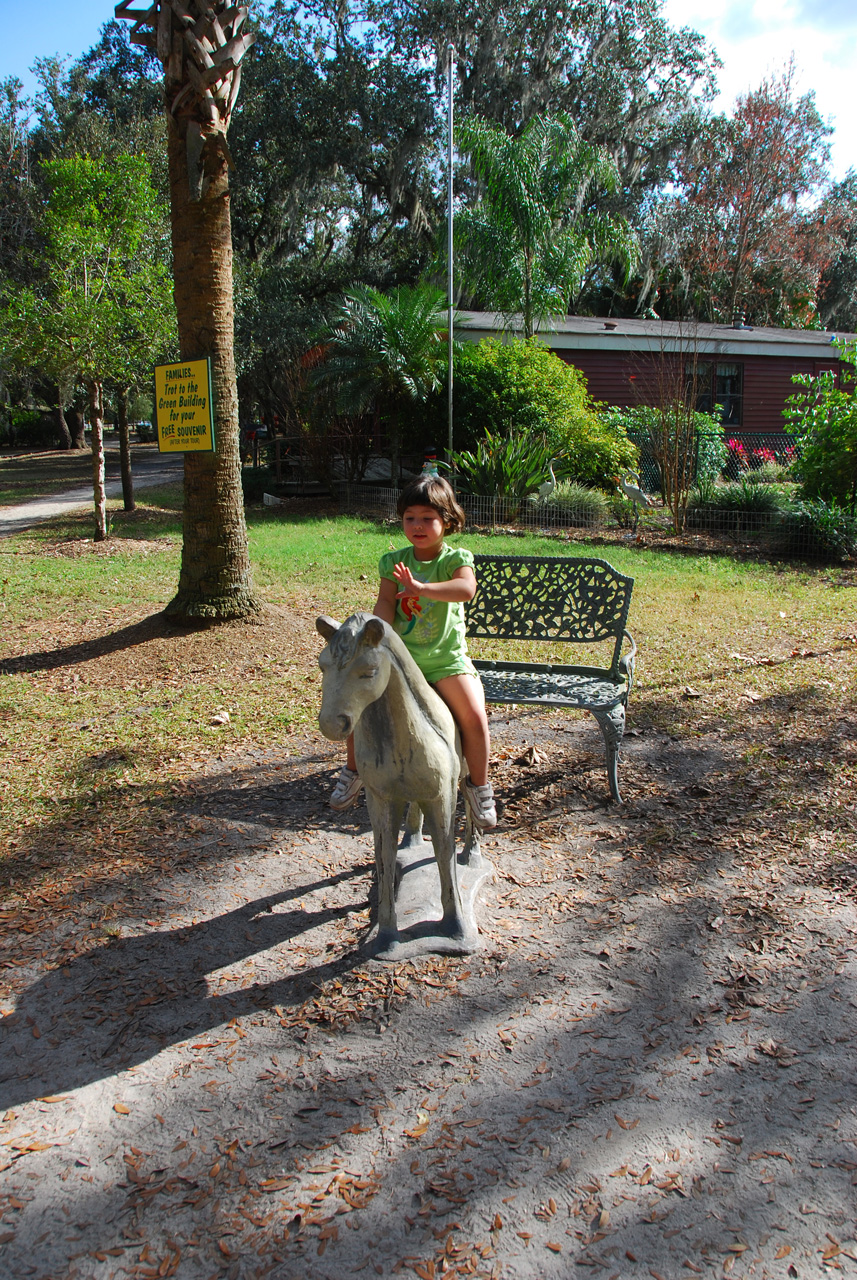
column 510, row 467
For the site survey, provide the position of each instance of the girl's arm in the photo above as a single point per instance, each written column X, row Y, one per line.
column 461, row 586
column 385, row 605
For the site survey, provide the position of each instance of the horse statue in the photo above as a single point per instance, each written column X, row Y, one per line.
column 409, row 756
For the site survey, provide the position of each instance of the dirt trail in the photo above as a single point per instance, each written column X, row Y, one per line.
column 648, row 1070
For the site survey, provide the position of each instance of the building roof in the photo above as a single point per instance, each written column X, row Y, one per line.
column 603, row 333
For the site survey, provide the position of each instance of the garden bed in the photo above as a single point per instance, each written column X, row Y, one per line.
column 769, row 535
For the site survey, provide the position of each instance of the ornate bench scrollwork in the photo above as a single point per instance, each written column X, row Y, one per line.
column 557, row 599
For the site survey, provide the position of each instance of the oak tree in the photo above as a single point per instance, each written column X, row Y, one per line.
column 100, row 309
column 742, row 237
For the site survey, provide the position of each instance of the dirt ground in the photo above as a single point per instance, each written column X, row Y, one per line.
column 647, row 1070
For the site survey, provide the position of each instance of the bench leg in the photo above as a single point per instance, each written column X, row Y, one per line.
column 612, row 726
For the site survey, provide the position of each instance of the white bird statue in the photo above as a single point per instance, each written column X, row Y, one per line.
column 545, row 490
column 634, row 492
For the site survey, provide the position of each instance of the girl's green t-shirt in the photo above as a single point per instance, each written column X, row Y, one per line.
column 433, row 630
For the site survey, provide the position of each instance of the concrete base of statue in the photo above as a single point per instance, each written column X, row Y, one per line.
column 418, row 905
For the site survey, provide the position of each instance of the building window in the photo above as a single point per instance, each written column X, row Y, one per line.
column 718, row 384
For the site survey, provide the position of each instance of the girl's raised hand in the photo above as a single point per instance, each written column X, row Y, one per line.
column 409, row 584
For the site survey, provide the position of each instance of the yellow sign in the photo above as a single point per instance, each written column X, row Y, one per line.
column 183, row 408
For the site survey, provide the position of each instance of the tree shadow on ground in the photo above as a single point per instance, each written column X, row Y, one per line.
column 636, row 1115
column 123, row 1001
column 154, row 627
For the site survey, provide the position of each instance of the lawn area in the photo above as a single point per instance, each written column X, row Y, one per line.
column 37, row 475
column 184, row 970
column 105, row 709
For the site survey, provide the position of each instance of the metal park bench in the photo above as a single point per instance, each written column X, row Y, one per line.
column 557, row 598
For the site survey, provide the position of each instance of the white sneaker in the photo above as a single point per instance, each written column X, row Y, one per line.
column 349, row 784
column 481, row 802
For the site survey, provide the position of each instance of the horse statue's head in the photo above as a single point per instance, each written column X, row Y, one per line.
column 355, row 670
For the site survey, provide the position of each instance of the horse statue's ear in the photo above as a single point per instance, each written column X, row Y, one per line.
column 326, row 627
column 373, row 632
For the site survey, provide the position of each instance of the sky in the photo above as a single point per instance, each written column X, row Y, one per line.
column 43, row 29
column 754, row 38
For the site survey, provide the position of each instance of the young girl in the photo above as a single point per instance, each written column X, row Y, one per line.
column 421, row 594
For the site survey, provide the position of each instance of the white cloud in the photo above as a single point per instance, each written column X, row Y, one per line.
column 759, row 37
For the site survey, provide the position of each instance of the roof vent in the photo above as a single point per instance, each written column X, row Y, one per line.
column 611, row 324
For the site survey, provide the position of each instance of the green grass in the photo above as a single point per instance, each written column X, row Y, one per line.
column 95, row 744
column 687, row 603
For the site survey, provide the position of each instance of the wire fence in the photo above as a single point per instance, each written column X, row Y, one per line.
column 746, row 452
column 488, row 512
column 771, row 521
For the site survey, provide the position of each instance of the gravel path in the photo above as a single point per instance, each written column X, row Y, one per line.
column 647, row 1071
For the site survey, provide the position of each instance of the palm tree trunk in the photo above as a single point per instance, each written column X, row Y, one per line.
column 395, row 452
column 214, row 582
column 125, row 450
column 96, row 426
column 528, row 293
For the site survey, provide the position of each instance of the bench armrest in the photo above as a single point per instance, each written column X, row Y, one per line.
column 626, row 662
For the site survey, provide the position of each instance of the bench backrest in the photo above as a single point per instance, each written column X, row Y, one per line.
column 549, row 598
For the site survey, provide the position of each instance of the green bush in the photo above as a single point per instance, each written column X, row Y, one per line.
column 822, row 530
column 575, row 504
column 642, row 423
column 771, row 473
column 704, row 493
column 255, row 481
column 741, row 505
column 823, row 418
column 31, row 429
column 522, row 390
column 710, row 447
column 748, row 497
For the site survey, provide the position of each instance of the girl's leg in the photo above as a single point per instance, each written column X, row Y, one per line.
column 465, row 697
column 348, row 785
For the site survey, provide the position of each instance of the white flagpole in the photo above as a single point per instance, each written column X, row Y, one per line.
column 449, row 273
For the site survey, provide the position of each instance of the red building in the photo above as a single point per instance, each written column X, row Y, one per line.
column 629, row 362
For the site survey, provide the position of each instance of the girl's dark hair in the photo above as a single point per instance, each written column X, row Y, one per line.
column 433, row 491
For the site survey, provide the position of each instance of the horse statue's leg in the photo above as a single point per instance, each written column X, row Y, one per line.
column 440, row 823
column 413, row 834
column 471, row 854
column 386, row 818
